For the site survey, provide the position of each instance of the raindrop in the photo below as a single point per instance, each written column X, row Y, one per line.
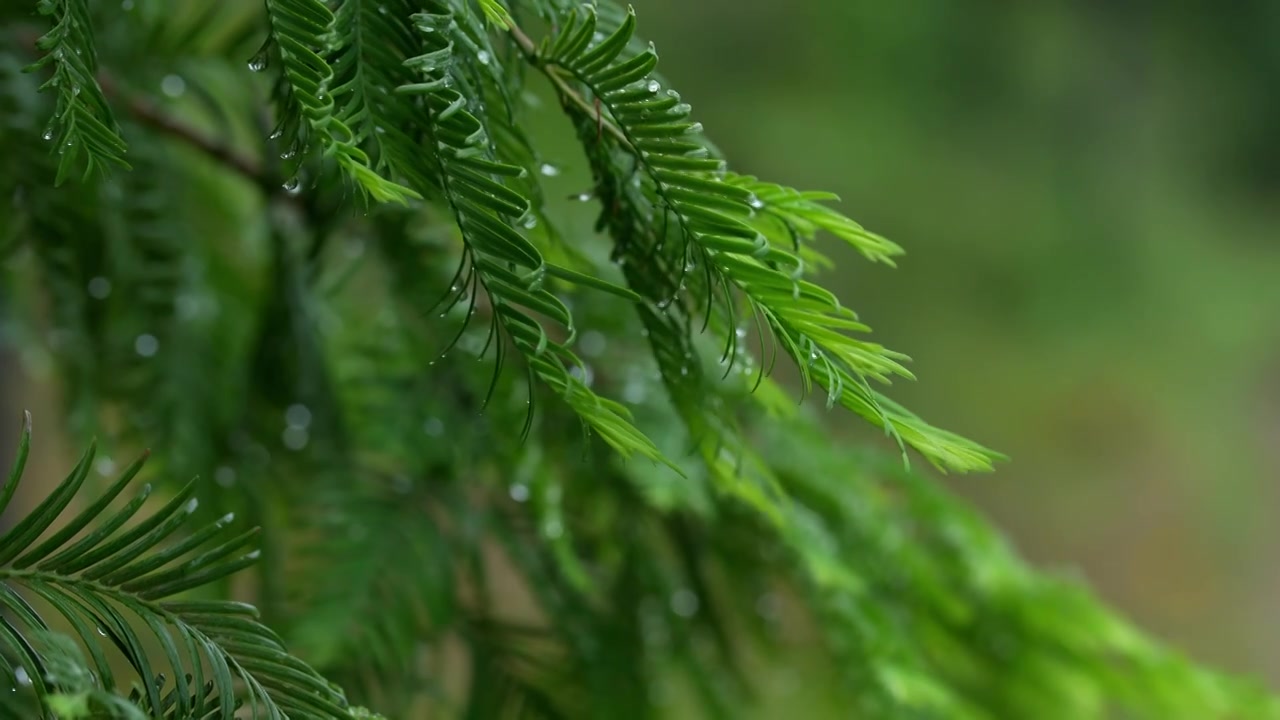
column 583, row 197
column 433, row 427
column 276, row 135
column 755, row 202
column 519, row 492
column 592, row 343
column 583, row 373
column 101, row 632
column 695, row 128
column 483, row 57
column 295, row 438
column 288, row 154
column 173, row 86
column 20, row 674
column 549, row 170
column 740, row 332
column 105, row 466
column 684, row 603
column 190, row 305
column 225, row 476
column 768, row 607
column 654, row 86
column 99, row 288
column 48, row 134
column 634, row 391
column 298, row 415
column 258, row 63
column 146, row 345
column 292, row 186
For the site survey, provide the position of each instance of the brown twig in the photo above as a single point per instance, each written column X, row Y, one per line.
column 149, row 113
column 565, row 90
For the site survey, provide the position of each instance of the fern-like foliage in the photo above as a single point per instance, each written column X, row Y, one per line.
column 712, row 218
column 499, row 261
column 367, row 63
column 300, row 37
column 112, row 573
column 82, row 125
column 503, row 464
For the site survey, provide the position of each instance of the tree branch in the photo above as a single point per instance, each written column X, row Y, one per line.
column 150, row 114
column 566, row 91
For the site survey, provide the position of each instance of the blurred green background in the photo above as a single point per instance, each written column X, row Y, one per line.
column 1088, row 194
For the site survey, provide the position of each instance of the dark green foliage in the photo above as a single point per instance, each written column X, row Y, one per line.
column 112, row 579
column 82, row 123
column 502, row 465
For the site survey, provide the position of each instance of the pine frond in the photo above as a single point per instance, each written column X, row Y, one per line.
column 110, row 574
column 377, row 583
column 301, row 33
column 82, row 124
column 931, row 612
column 497, row 13
column 789, row 217
column 368, row 63
column 430, row 542
column 650, row 264
column 483, row 208
column 495, row 82
column 79, row 696
column 712, row 218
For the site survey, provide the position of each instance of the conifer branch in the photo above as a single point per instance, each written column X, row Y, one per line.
column 149, row 113
column 562, row 85
column 403, row 494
